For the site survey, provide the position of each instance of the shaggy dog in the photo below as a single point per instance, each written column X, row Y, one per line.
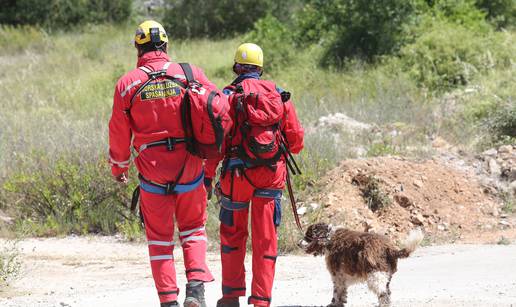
column 353, row 257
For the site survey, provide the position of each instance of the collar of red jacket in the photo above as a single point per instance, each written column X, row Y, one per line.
column 152, row 57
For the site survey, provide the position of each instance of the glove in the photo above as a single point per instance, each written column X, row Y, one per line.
column 209, row 187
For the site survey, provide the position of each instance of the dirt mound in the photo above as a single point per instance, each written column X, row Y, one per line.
column 393, row 195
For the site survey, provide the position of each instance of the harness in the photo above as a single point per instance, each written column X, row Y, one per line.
column 150, row 186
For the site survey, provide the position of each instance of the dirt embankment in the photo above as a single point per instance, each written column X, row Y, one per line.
column 393, row 195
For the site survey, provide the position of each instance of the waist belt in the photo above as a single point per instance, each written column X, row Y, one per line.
column 170, row 143
column 170, row 188
column 227, row 203
column 232, row 163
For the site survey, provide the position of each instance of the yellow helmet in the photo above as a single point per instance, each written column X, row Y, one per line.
column 150, row 30
column 249, row 54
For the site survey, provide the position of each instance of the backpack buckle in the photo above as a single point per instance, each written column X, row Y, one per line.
column 170, row 143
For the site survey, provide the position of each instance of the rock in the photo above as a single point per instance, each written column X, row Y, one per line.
column 490, row 152
column 418, row 183
column 512, row 188
column 301, row 210
column 442, row 227
column 5, row 218
column 494, row 168
column 505, row 149
column 417, row 219
column 504, row 223
column 314, row 206
column 403, row 200
column 495, row 212
column 340, row 121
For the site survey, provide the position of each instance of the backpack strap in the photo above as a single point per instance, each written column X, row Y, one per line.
column 188, row 72
column 153, row 75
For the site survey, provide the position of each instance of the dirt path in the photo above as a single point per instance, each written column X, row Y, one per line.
column 103, row 272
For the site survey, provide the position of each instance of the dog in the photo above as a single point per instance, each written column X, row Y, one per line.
column 354, row 256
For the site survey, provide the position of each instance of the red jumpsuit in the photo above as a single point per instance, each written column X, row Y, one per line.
column 154, row 116
column 262, row 187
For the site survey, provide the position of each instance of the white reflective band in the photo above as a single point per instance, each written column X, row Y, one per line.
column 129, row 87
column 179, row 76
column 188, row 232
column 145, row 69
column 161, row 257
column 167, row 64
column 143, row 147
column 120, row 163
column 194, row 238
column 160, row 243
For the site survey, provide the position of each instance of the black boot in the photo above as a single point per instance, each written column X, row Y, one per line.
column 228, row 302
column 170, row 304
column 194, row 294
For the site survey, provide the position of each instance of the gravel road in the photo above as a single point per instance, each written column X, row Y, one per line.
column 102, row 272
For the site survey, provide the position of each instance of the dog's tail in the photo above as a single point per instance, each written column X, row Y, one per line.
column 411, row 243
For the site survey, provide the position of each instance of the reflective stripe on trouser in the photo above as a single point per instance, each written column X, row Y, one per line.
column 264, row 244
column 189, row 210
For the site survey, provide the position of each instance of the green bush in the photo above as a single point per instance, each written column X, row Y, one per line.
column 461, row 12
column 222, row 18
column 348, row 29
column 65, row 195
column 60, row 14
column 501, row 121
column 447, row 55
column 275, row 40
column 501, row 13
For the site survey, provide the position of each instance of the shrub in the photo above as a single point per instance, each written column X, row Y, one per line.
column 66, row 195
column 59, row 14
column 348, row 29
column 501, row 13
column 210, row 18
column 448, row 55
column 501, row 121
column 275, row 40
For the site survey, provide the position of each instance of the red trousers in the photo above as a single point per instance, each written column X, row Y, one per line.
column 265, row 207
column 189, row 211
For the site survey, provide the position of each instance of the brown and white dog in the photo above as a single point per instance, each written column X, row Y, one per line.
column 354, row 257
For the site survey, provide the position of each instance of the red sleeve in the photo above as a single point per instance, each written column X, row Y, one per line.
column 293, row 130
column 119, row 135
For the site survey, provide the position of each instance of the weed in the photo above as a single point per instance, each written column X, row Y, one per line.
column 373, row 194
column 509, row 203
column 10, row 263
column 503, row 241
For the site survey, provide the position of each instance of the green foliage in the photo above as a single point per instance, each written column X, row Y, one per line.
column 61, row 14
column 65, row 195
column 275, row 40
column 210, row 18
column 347, row 29
column 501, row 13
column 460, row 12
column 448, row 55
column 501, row 121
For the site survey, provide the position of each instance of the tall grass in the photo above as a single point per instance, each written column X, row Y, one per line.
column 57, row 97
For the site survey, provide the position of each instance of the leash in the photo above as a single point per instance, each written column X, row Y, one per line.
column 293, row 202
